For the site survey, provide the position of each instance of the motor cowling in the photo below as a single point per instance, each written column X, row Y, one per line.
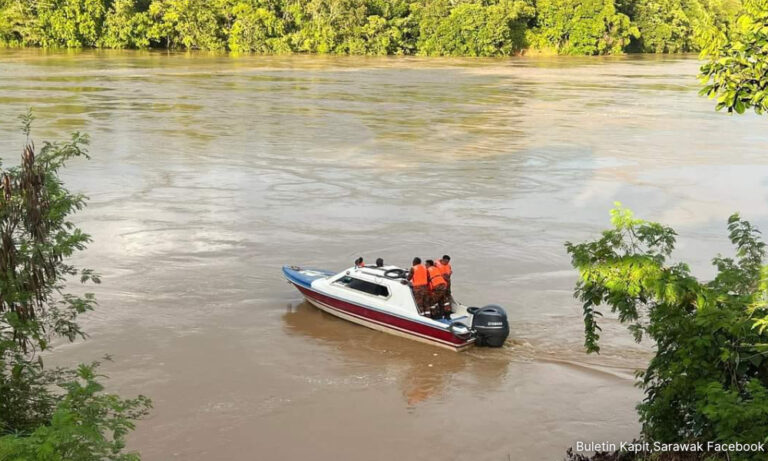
column 490, row 325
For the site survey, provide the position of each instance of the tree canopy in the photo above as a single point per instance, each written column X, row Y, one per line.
column 736, row 73
column 708, row 377
column 376, row 27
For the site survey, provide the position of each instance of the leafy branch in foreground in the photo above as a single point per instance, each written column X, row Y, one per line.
column 36, row 236
column 708, row 378
column 86, row 425
column 737, row 69
column 37, row 421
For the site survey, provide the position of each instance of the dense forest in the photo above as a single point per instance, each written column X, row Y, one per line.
column 374, row 27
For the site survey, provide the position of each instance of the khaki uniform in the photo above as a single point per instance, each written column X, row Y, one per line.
column 421, row 296
column 447, row 271
column 438, row 300
column 438, row 287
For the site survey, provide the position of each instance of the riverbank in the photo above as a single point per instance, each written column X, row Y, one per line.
column 370, row 27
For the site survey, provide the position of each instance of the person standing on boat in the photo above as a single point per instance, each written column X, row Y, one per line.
column 419, row 284
column 438, row 287
column 444, row 264
column 359, row 262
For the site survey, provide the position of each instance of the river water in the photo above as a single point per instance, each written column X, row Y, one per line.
column 211, row 172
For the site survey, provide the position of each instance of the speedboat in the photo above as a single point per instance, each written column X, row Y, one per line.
column 381, row 298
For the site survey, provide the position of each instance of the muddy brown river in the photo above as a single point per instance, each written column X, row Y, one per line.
column 211, row 172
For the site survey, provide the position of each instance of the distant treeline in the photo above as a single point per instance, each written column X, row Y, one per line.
column 371, row 27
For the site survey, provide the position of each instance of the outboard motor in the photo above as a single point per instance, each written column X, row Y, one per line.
column 490, row 325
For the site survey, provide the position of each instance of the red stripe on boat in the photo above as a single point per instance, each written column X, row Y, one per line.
column 383, row 318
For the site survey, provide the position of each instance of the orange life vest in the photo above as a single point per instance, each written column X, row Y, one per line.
column 445, row 269
column 419, row 275
column 436, row 278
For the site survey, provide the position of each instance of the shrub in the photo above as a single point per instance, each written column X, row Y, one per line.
column 707, row 379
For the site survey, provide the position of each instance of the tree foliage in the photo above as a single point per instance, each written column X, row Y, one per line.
column 736, row 73
column 256, row 28
column 37, row 237
column 70, row 23
column 126, row 25
column 707, row 379
column 85, row 425
column 582, row 27
column 426, row 27
column 474, row 29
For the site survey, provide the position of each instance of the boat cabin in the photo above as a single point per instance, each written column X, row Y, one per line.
column 385, row 286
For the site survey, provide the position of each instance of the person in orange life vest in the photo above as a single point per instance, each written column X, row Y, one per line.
column 359, row 262
column 444, row 264
column 437, row 286
column 418, row 278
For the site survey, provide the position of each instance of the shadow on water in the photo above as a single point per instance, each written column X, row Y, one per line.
column 421, row 371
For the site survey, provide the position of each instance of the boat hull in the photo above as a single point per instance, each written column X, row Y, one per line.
column 383, row 321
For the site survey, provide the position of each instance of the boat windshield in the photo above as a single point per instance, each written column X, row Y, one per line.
column 364, row 286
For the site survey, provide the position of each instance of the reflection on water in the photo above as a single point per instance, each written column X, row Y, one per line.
column 421, row 372
column 209, row 173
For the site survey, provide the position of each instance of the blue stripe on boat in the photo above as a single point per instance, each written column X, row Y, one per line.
column 296, row 275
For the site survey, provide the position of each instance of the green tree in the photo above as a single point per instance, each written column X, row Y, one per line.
column 390, row 28
column 328, row 26
column 664, row 26
column 736, row 73
column 581, row 27
column 707, row 379
column 86, row 425
column 127, row 25
column 16, row 24
column 372, row 27
column 671, row 26
column 37, row 237
column 191, row 24
column 257, row 27
column 70, row 23
column 679, row 26
column 475, row 29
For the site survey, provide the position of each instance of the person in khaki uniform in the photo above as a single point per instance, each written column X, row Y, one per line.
column 419, row 284
column 437, row 287
column 444, row 264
